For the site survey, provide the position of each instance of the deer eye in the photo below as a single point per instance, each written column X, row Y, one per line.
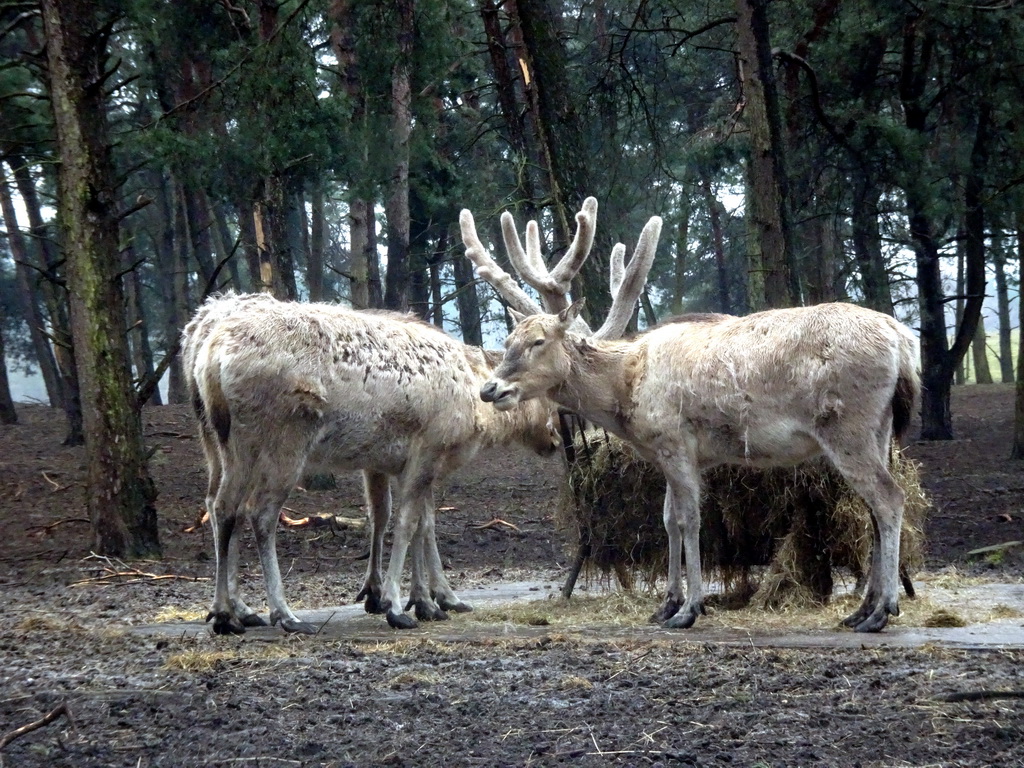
column 538, row 342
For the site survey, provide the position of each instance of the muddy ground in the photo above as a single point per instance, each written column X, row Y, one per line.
column 69, row 634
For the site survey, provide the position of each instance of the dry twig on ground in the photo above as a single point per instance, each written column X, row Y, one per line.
column 49, row 717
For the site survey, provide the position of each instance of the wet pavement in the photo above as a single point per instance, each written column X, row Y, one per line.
column 349, row 622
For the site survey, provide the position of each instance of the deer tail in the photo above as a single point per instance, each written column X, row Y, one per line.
column 907, row 394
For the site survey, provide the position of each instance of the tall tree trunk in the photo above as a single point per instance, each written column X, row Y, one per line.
column 138, row 328
column 1017, row 449
column 979, row 351
column 30, row 308
column 363, row 268
column 867, row 243
column 768, row 211
column 1003, row 302
column 200, row 224
column 513, row 103
column 224, row 245
column 714, row 207
column 938, row 359
column 358, row 268
column 684, row 209
column 8, row 414
column 177, row 391
column 397, row 204
column 317, row 236
column 562, row 133
column 468, row 302
column 55, row 298
column 120, row 494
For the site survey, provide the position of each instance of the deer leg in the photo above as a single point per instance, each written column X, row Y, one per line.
column 224, row 522
column 420, row 597
column 867, row 473
column 377, row 489
column 265, row 517
column 685, row 518
column 682, row 525
column 414, row 487
column 440, row 589
column 246, row 615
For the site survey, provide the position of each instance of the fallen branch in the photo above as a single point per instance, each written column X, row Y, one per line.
column 326, row 520
column 112, row 574
column 323, row 520
column 133, row 576
column 57, row 487
column 494, row 524
column 49, row 717
column 40, row 530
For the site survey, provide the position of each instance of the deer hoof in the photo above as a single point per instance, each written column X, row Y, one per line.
column 427, row 611
column 373, row 603
column 668, row 609
column 457, row 605
column 400, row 621
column 298, row 627
column 253, row 620
column 225, row 624
column 684, row 619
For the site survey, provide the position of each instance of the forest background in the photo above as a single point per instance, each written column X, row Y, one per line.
column 799, row 151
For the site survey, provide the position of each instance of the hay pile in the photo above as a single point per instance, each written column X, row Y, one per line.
column 801, row 523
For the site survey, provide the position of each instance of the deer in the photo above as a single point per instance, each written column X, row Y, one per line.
column 280, row 388
column 774, row 388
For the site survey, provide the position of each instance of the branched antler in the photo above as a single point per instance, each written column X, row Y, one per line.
column 627, row 282
column 489, row 270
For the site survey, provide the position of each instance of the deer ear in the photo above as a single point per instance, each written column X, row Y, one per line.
column 568, row 315
column 517, row 317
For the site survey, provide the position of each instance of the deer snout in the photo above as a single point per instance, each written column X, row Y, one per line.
column 488, row 390
column 498, row 392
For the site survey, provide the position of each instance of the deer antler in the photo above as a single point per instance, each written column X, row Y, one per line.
column 553, row 285
column 489, row 270
column 627, row 282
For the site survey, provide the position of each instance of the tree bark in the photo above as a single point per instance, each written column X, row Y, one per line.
column 938, row 358
column 317, row 236
column 468, row 302
column 979, row 351
column 396, row 289
column 768, row 201
column 714, row 207
column 8, row 414
column 561, row 133
column 120, row 493
column 867, row 243
column 1003, row 303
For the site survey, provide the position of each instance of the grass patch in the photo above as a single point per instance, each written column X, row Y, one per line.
column 172, row 613
column 199, row 660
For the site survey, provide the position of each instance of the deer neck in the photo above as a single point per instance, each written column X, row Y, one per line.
column 600, row 385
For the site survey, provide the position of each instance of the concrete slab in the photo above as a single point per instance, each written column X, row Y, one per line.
column 349, row 622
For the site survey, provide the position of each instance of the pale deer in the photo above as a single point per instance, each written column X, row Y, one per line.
column 283, row 388
column 773, row 388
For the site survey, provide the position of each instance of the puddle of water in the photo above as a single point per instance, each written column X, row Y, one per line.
column 350, row 622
